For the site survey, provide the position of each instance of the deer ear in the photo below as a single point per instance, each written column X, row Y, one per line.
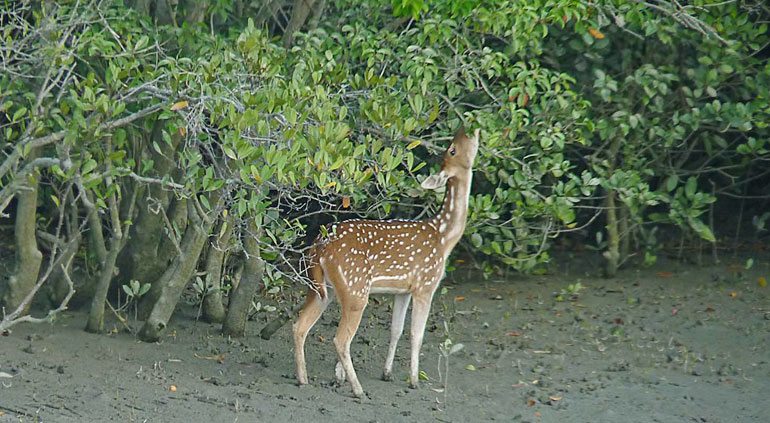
column 435, row 181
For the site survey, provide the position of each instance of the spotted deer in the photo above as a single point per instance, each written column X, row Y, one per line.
column 404, row 258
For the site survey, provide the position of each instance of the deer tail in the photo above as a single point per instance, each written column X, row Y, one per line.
column 316, row 273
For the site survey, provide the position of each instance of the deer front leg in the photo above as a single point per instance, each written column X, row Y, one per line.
column 400, row 304
column 420, row 311
column 349, row 321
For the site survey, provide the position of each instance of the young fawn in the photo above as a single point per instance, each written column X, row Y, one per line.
column 404, row 258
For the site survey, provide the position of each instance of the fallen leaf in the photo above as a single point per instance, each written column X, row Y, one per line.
column 596, row 33
column 530, row 402
column 470, row 367
column 172, row 388
column 762, row 281
column 733, row 294
column 559, row 314
column 665, row 275
column 459, row 298
column 709, row 310
column 554, row 399
column 538, row 414
column 179, row 105
column 513, row 333
column 217, row 357
column 618, row 321
column 674, row 311
column 2, row 412
column 321, row 338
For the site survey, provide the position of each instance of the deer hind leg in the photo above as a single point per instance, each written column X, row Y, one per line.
column 420, row 312
column 400, row 304
column 352, row 304
column 349, row 321
column 308, row 316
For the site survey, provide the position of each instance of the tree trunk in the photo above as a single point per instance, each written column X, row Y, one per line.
column 28, row 257
column 612, row 254
column 213, row 309
column 196, row 12
column 613, row 249
column 240, row 301
column 624, row 233
column 299, row 13
column 165, row 293
column 143, row 258
column 95, row 322
column 59, row 283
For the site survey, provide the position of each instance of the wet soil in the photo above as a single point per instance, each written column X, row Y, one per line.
column 671, row 343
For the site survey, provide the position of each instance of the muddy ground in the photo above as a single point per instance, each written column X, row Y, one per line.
column 671, row 343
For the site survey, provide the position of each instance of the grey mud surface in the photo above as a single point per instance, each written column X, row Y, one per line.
column 672, row 343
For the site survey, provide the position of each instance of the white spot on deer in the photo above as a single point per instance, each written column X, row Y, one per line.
column 442, row 228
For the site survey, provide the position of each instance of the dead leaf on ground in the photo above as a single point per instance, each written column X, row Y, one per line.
column 530, row 402
column 459, row 298
column 220, row 358
column 665, row 275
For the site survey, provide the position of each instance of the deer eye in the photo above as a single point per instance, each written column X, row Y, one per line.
column 452, row 151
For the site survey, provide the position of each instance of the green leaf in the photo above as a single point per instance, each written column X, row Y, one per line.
column 18, row 114
column 476, row 240
column 701, row 229
column 88, row 166
column 691, row 186
column 672, row 182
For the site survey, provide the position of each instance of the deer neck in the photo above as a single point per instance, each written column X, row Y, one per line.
column 451, row 219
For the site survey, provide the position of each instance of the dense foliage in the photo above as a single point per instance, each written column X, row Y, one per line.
column 147, row 143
